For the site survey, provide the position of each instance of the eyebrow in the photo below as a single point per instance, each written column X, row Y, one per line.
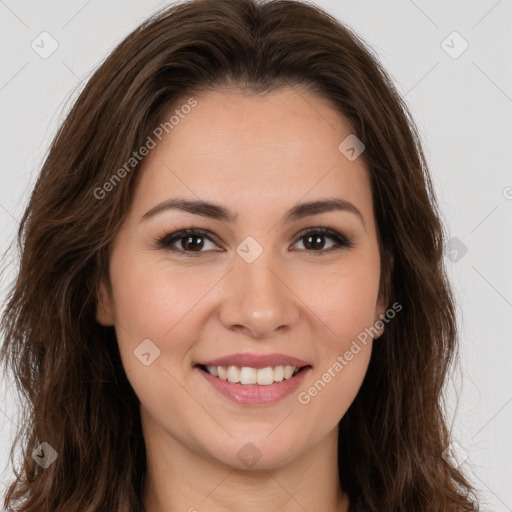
column 218, row 212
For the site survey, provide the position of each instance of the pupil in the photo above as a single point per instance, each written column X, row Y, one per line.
column 190, row 245
column 317, row 241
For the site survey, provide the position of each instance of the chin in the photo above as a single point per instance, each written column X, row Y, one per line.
column 257, row 452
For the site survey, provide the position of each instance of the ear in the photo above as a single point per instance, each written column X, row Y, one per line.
column 383, row 303
column 380, row 309
column 104, row 308
column 378, row 323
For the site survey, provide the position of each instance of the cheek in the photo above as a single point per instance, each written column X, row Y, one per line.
column 325, row 399
column 343, row 347
column 149, row 299
column 164, row 305
column 344, row 302
column 151, row 305
column 146, row 307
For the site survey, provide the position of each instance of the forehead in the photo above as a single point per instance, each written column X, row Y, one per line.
column 253, row 151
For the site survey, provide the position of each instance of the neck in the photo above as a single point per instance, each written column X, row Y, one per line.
column 179, row 479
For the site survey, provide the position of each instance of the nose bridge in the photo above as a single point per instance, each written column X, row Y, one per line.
column 257, row 297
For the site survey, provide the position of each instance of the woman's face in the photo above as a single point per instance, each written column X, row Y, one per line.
column 253, row 283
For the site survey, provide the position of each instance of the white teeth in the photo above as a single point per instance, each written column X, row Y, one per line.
column 247, row 376
column 223, row 374
column 233, row 374
column 265, row 376
column 288, row 371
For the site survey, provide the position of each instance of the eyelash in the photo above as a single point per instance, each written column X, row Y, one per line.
column 164, row 242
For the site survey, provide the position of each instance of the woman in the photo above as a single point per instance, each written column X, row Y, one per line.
column 231, row 293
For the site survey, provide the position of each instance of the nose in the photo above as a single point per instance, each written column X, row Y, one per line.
column 257, row 299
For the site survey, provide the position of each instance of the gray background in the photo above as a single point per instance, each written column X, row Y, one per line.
column 463, row 107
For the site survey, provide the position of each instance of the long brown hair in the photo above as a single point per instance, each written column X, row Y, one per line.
column 67, row 367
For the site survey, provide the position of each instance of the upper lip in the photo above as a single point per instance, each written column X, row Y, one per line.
column 255, row 361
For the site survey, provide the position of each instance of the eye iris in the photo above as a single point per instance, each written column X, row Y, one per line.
column 189, row 245
column 317, row 240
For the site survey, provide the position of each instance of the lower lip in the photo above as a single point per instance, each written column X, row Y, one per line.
column 255, row 394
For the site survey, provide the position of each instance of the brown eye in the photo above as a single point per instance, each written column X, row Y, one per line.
column 190, row 241
column 314, row 240
column 193, row 241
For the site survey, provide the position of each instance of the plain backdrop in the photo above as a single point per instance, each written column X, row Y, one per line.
column 459, row 88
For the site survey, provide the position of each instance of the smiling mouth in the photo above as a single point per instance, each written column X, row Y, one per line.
column 249, row 376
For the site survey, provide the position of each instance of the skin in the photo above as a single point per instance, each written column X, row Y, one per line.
column 257, row 156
